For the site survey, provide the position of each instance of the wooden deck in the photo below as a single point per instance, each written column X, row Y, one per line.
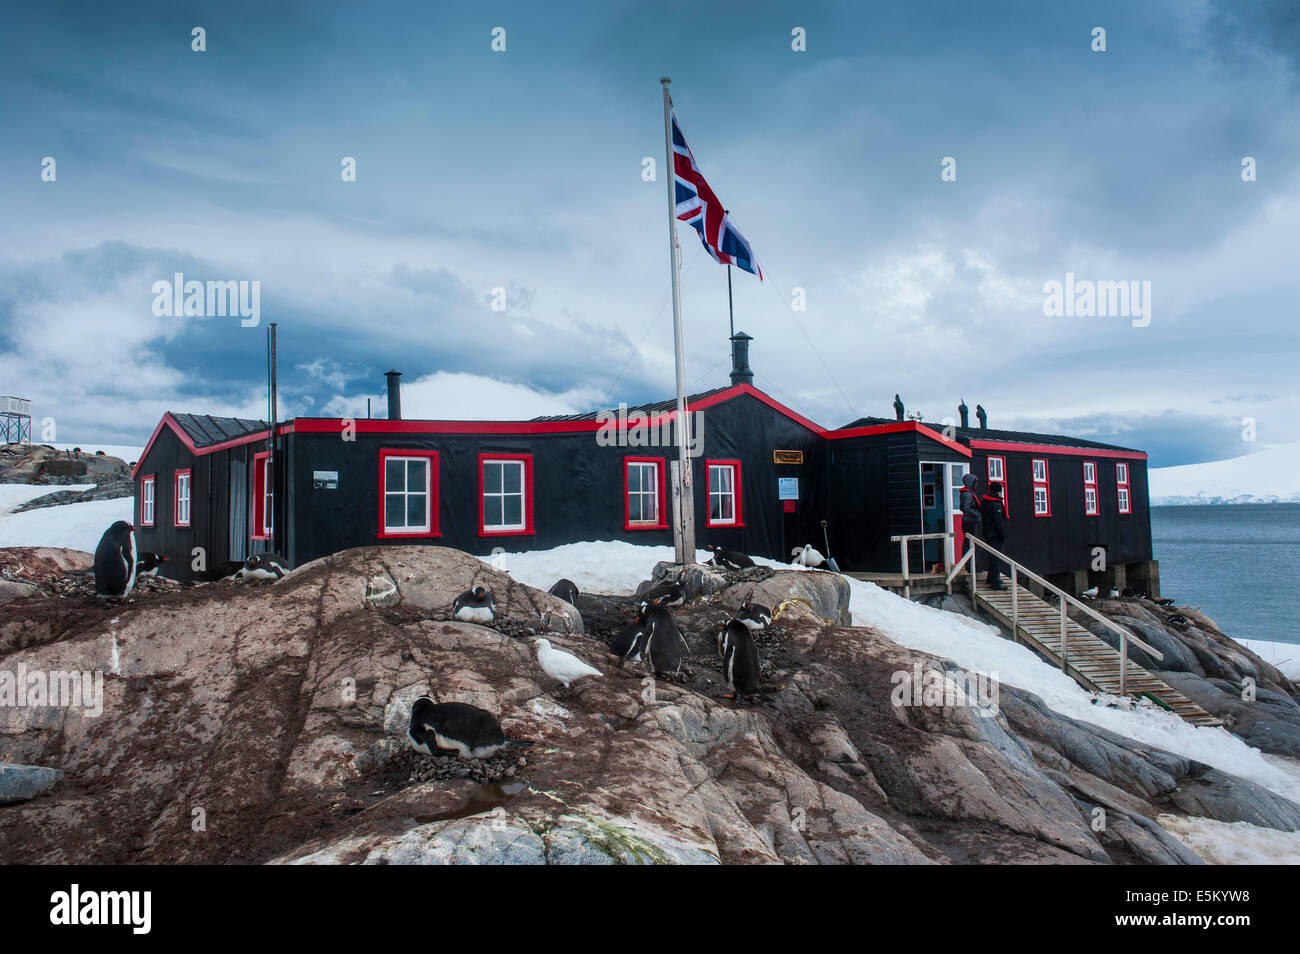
column 922, row 584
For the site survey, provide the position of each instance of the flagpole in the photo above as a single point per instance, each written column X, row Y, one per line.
column 683, row 492
column 731, row 311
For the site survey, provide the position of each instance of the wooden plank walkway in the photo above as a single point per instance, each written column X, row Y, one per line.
column 1091, row 661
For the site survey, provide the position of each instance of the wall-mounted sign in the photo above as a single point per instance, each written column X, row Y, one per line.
column 787, row 457
column 325, row 479
column 787, row 488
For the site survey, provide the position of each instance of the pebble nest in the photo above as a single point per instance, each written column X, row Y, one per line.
column 410, row 767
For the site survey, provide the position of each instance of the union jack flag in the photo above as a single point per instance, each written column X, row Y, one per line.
column 700, row 208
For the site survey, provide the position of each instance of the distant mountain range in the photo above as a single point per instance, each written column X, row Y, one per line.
column 1269, row 475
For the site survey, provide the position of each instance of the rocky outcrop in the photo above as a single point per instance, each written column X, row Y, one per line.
column 18, row 783
column 109, row 487
column 42, row 464
column 825, row 594
column 252, row 723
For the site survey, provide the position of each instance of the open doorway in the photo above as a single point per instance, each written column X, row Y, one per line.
column 940, row 510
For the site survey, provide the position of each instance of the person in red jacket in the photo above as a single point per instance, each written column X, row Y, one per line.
column 994, row 513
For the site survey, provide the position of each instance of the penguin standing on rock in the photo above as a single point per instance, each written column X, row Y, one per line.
column 470, row 732
column 661, row 642
column 474, row 606
column 148, row 563
column 264, row 567
column 625, row 644
column 115, row 561
column 739, row 659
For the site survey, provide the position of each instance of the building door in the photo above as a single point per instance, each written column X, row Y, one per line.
column 932, row 511
column 953, row 473
column 238, row 510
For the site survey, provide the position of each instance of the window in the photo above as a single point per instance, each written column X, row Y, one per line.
column 1090, row 499
column 263, row 491
column 643, row 481
column 1122, row 489
column 408, row 481
column 1042, row 487
column 147, row 494
column 182, row 511
column 505, row 494
column 998, row 472
column 722, row 483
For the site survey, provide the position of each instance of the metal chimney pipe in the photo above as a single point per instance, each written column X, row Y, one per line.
column 741, row 373
column 394, row 395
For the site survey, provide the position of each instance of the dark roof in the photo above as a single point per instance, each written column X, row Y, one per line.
column 1012, row 437
column 659, row 407
column 205, row 430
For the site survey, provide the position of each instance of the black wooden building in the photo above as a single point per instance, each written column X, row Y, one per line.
column 210, row 489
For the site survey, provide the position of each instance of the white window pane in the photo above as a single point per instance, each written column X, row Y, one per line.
column 393, row 471
column 492, row 512
column 492, row 478
column 514, row 511
column 393, row 510
column 513, row 478
column 416, row 474
column 416, row 510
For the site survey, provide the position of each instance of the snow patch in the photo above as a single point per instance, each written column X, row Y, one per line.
column 1269, row 475
column 1234, row 843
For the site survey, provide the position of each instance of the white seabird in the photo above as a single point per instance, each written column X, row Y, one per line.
column 562, row 666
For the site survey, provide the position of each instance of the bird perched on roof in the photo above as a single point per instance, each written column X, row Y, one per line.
column 807, row 555
column 982, row 414
column 730, row 559
column 964, row 413
column 147, row 564
column 898, row 407
column 264, row 566
column 474, row 606
column 566, row 590
column 565, row 667
column 115, row 561
column 470, row 732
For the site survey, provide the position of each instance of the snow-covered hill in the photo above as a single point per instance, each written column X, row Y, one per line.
column 1270, row 475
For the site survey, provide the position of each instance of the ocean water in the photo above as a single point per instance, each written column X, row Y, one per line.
column 1239, row 563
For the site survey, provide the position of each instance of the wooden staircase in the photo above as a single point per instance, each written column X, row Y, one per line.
column 1092, row 661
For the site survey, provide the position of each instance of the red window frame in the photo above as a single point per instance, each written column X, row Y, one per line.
column 257, row 505
column 1125, row 486
column 528, row 528
column 1095, row 509
column 382, row 533
column 1045, row 484
column 989, row 478
column 662, row 487
column 189, row 498
column 736, row 488
column 150, row 481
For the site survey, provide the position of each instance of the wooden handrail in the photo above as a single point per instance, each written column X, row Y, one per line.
column 1018, row 568
column 903, row 540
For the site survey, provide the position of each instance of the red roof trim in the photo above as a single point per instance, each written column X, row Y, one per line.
column 1053, row 449
column 894, row 428
column 169, row 421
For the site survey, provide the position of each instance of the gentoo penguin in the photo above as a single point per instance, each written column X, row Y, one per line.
column 754, row 616
column 474, row 606
column 626, row 644
column 264, row 566
column 566, row 590
column 470, row 732
column 739, row 658
column 807, row 556
column 115, row 561
column 661, row 642
column 148, row 563
column 730, row 559
column 664, row 594
column 563, row 666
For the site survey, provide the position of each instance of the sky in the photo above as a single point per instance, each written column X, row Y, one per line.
column 485, row 176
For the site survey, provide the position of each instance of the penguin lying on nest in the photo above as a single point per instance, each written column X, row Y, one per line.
column 754, row 616
column 147, row 564
column 474, row 606
column 739, row 659
column 730, row 559
column 115, row 561
column 263, row 567
column 470, row 732
column 664, row 594
column 566, row 590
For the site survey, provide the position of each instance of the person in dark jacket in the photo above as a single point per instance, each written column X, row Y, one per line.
column 995, row 530
column 971, row 518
